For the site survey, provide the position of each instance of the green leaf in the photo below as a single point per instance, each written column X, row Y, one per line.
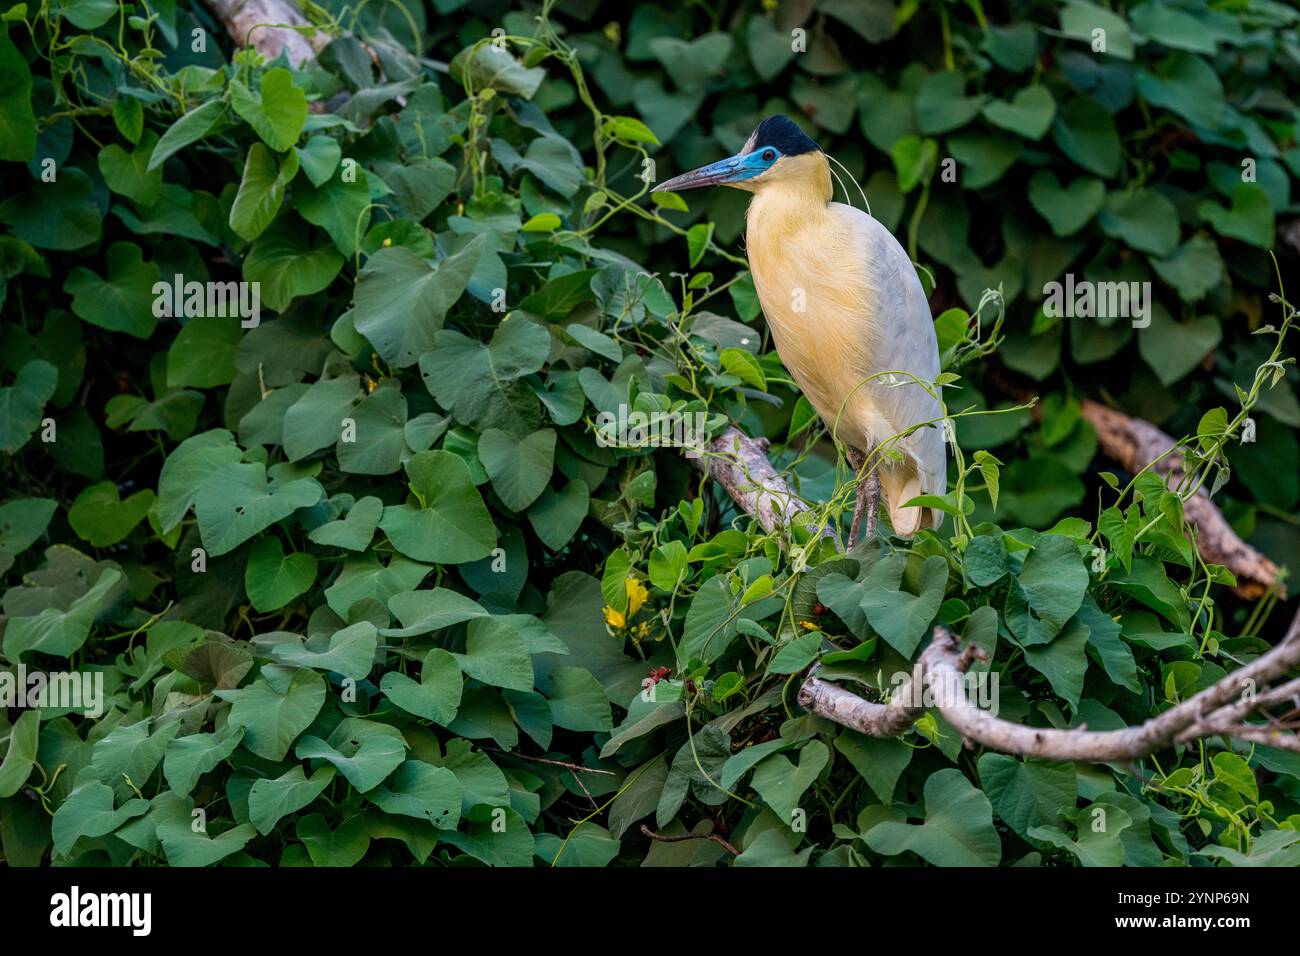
column 1029, row 113
column 277, row 112
column 447, row 523
column 275, row 709
column 899, row 617
column 520, row 470
column 203, row 353
column 182, row 844
column 343, row 846
column 423, row 791
column 319, row 157
column 1099, row 841
column 129, row 173
column 1082, row 20
column 261, row 191
column 340, row 207
column 86, row 14
column 1085, row 131
column 189, row 758
column 364, row 751
column 349, row 651
column 1194, row 268
column 60, row 215
column 781, row 784
column 578, row 702
column 101, row 517
column 1187, row 85
column 271, row 800
column 1063, row 661
column 1145, row 219
column 1066, row 209
column 286, row 265
column 942, row 104
column 17, row 119
column 479, row 384
column 377, row 443
column 958, row 828
column 58, row 632
column 273, row 578
column 190, row 128
column 496, row 654
column 124, row 301
column 22, row 523
column 354, row 530
column 88, row 812
column 1048, row 591
column 401, row 300
column 22, row 402
column 436, row 696
column 1249, row 219
column 1028, row 793
column 236, row 503
column 698, row 238
column 487, row 66
column 557, row 515
column 20, row 756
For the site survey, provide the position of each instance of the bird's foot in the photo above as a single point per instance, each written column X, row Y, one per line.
column 867, row 505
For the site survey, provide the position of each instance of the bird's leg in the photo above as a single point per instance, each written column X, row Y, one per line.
column 868, row 496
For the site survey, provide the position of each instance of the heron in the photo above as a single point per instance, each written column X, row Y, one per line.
column 848, row 316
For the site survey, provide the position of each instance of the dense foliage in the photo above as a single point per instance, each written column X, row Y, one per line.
column 363, row 585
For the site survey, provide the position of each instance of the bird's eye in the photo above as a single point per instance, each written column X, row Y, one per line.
column 769, row 155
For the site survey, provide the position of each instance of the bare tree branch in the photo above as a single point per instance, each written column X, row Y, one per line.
column 245, row 21
column 1135, row 443
column 740, row 465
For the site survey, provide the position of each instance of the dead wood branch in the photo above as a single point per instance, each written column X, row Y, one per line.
column 248, row 23
column 1134, row 444
column 740, row 465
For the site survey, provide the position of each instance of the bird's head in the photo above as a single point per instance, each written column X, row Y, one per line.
column 777, row 151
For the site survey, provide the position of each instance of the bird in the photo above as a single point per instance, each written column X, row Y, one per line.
column 849, row 318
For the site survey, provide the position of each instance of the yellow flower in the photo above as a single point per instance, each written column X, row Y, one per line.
column 808, row 625
column 637, row 595
column 614, row 618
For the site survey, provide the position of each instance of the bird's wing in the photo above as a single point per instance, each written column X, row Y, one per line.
column 903, row 340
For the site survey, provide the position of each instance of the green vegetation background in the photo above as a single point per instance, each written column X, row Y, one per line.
column 399, row 646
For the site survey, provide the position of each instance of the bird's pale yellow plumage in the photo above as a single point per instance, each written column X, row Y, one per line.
column 847, row 313
column 844, row 303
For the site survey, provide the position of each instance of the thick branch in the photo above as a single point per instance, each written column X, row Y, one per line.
column 937, row 680
column 243, row 20
column 740, row 464
column 1135, row 443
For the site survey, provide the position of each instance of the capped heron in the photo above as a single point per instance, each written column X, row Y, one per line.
column 846, row 308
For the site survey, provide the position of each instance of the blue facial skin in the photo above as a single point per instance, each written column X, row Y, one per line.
column 749, row 165
column 733, row 169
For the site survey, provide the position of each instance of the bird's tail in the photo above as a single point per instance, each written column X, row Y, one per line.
column 900, row 485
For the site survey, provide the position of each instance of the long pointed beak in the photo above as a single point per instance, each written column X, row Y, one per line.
column 714, row 174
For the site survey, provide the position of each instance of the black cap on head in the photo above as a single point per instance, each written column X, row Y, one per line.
column 783, row 134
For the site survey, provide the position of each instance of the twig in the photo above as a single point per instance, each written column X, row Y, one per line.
column 576, row 768
column 666, row 838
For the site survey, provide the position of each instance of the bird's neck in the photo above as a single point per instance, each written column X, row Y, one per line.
column 799, row 198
